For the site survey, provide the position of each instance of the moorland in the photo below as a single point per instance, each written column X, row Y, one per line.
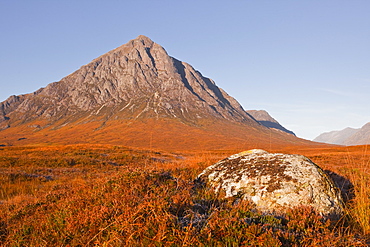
column 111, row 195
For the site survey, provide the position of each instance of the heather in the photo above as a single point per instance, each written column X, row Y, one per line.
column 105, row 195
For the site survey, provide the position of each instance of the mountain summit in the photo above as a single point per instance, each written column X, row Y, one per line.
column 135, row 80
column 132, row 92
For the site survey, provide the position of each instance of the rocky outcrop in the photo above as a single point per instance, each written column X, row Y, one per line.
column 10, row 105
column 266, row 120
column 273, row 181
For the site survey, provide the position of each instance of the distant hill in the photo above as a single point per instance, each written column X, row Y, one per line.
column 264, row 118
column 360, row 137
column 347, row 136
column 137, row 95
column 337, row 136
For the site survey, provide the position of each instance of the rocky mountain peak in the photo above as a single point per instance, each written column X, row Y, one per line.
column 135, row 95
column 136, row 80
column 144, row 40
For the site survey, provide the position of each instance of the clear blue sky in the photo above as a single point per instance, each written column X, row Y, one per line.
column 306, row 62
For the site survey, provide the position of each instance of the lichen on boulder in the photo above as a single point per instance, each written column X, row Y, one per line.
column 274, row 181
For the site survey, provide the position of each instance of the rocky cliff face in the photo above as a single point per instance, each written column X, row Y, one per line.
column 135, row 80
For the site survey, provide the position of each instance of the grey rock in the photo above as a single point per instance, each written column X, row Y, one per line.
column 274, row 181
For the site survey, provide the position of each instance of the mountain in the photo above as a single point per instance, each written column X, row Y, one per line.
column 347, row 136
column 360, row 137
column 264, row 118
column 135, row 95
column 140, row 79
column 336, row 137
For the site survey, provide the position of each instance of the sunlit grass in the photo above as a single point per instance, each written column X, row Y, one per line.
column 358, row 172
column 96, row 195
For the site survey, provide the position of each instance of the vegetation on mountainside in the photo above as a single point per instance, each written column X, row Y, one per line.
column 87, row 195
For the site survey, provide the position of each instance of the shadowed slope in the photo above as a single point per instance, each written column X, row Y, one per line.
column 266, row 120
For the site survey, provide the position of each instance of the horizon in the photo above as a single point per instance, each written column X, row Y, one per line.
column 305, row 63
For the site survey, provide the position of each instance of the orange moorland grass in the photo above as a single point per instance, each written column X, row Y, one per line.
column 350, row 166
column 164, row 134
column 105, row 195
column 358, row 171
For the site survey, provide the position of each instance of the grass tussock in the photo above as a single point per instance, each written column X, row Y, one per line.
column 114, row 196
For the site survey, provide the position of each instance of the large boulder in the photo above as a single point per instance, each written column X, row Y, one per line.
column 274, row 181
